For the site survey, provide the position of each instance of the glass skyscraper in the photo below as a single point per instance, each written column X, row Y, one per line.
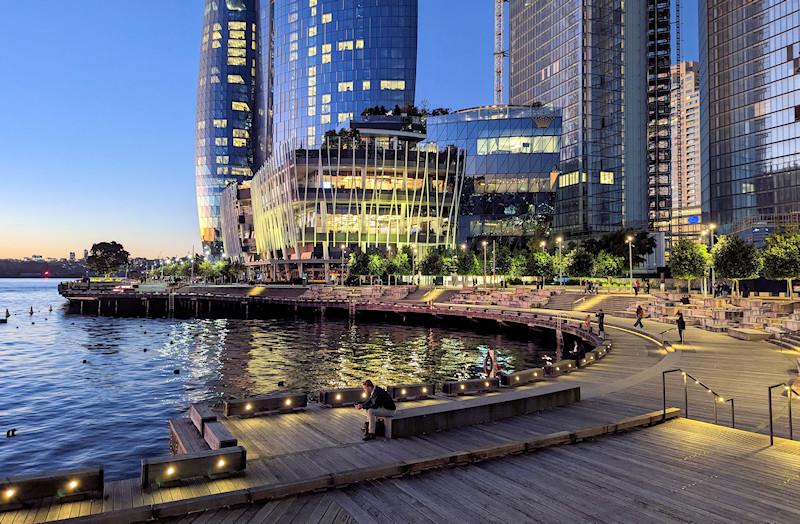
column 334, row 58
column 750, row 111
column 226, row 134
column 512, row 161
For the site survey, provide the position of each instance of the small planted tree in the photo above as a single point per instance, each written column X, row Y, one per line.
column 606, row 265
column 736, row 259
column 581, row 263
column 376, row 265
column 688, row 260
column 541, row 264
column 467, row 264
column 106, row 257
column 781, row 255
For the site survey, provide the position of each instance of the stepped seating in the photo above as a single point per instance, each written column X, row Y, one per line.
column 520, row 297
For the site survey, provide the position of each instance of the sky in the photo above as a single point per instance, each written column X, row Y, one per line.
column 97, row 106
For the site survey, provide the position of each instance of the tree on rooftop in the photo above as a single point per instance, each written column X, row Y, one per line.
column 688, row 260
column 736, row 259
column 106, row 257
column 781, row 255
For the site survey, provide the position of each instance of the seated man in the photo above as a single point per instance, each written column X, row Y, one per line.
column 378, row 404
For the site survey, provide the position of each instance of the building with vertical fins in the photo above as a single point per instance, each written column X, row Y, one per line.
column 333, row 59
column 226, row 132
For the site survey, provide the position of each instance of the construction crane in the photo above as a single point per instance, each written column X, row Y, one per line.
column 499, row 51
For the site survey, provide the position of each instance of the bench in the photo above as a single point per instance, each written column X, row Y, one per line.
column 404, row 392
column 217, row 436
column 201, row 414
column 211, row 464
column 184, row 437
column 336, row 398
column 562, row 367
column 63, row 485
column 264, row 404
column 470, row 387
column 483, row 410
column 525, row 376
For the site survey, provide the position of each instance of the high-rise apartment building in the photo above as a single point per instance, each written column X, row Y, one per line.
column 225, row 136
column 685, row 136
column 576, row 56
column 275, row 71
column 333, row 59
column 750, row 111
column 659, row 154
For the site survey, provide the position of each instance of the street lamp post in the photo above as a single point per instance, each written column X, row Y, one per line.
column 629, row 240
column 559, row 241
column 494, row 263
column 711, row 228
column 341, row 270
column 413, row 263
column 484, row 244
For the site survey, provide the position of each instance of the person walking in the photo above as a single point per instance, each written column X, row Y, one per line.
column 378, row 404
column 639, row 317
column 681, row 323
column 636, row 286
column 601, row 319
column 587, row 324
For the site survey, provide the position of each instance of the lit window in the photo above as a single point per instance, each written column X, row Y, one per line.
column 326, row 108
column 313, row 12
column 235, row 79
column 237, row 61
column 217, row 27
column 292, row 17
column 241, row 171
column 607, row 177
column 312, row 91
column 222, row 170
column 214, row 79
column 237, row 26
column 239, row 142
column 239, row 106
column 222, row 159
column 312, row 3
column 345, row 45
column 326, row 18
column 312, row 111
column 201, row 124
column 359, row 44
column 326, row 99
column 216, row 35
column 220, row 122
column 312, row 70
column 345, row 86
column 344, row 117
column 294, row 46
column 393, row 85
column 293, row 37
column 241, row 133
column 312, row 31
column 326, row 59
column 325, row 119
column 215, row 44
column 237, row 52
column 293, row 56
column 237, row 43
column 326, row 48
column 236, row 35
column 221, row 141
column 365, row 85
column 312, row 51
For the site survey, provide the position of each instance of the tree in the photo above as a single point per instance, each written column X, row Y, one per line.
column 106, row 257
column 541, row 264
column 581, row 263
column 736, row 259
column 439, row 261
column 781, row 255
column 467, row 263
column 358, row 263
column 517, row 265
column 399, row 264
column 616, row 244
column 606, row 265
column 688, row 260
column 376, row 265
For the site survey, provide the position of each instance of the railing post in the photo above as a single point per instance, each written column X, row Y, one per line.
column 715, row 399
column 771, row 432
column 789, row 396
column 663, row 396
column 685, row 395
column 733, row 415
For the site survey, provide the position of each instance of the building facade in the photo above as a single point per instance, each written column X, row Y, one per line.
column 750, row 112
column 334, row 58
column 570, row 55
column 513, row 155
column 236, row 223
column 225, row 136
column 659, row 113
column 685, row 136
column 310, row 204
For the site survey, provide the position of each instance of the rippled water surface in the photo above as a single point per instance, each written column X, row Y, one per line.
column 113, row 409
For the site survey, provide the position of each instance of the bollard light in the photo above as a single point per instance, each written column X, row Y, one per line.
column 221, row 463
column 424, row 390
column 363, row 395
column 9, row 493
column 558, row 368
column 248, row 406
column 462, row 386
column 288, row 402
column 338, row 396
column 72, row 484
column 402, row 391
column 170, row 471
column 517, row 377
column 486, row 384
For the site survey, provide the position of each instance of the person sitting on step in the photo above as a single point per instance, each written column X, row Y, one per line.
column 378, row 404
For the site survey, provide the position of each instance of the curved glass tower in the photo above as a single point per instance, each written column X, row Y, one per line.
column 226, row 134
column 334, row 58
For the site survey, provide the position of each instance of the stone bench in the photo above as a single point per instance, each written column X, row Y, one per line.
column 217, row 436
column 483, row 410
column 200, row 415
column 748, row 334
column 184, row 437
column 562, row 367
column 470, row 387
column 405, row 392
column 212, row 464
column 64, row 485
column 519, row 378
column 336, row 398
column 265, row 404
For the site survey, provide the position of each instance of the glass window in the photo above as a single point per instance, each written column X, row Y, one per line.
column 345, row 45
column 312, row 31
column 607, row 177
column 393, row 84
column 345, row 86
column 237, row 61
column 365, row 85
column 326, row 18
column 220, row 122
column 240, row 106
column 235, row 79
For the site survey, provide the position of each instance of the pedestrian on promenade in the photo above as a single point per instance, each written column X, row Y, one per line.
column 601, row 319
column 647, row 286
column 681, row 323
column 636, row 286
column 639, row 317
column 587, row 324
column 378, row 404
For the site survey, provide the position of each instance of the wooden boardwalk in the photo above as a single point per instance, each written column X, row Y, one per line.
column 319, row 441
column 681, row 471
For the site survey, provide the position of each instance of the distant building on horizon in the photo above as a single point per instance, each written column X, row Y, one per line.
column 685, row 135
column 750, row 114
column 512, row 165
column 72, row 256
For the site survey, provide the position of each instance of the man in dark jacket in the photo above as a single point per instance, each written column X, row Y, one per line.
column 378, row 404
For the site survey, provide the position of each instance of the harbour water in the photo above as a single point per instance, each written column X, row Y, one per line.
column 86, row 390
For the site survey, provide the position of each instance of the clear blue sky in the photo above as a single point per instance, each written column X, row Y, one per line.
column 97, row 105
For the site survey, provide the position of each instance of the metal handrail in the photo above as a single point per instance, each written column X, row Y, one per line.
column 789, row 391
column 718, row 399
